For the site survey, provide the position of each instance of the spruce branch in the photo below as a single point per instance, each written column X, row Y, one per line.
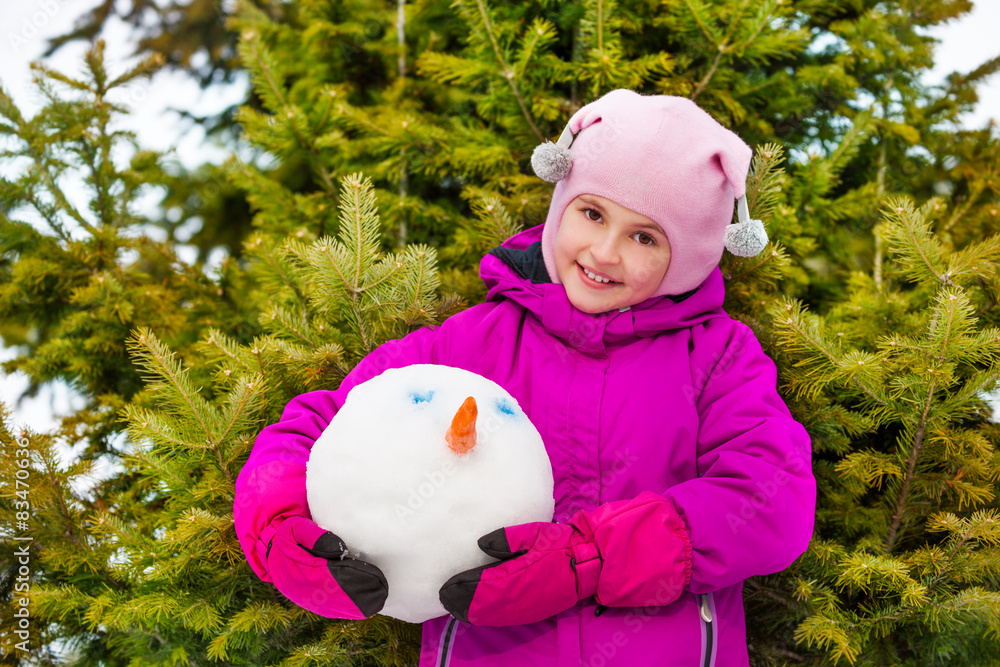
column 292, row 325
column 869, row 467
column 492, row 225
column 908, row 234
column 424, row 259
column 54, row 495
column 750, row 266
column 359, row 233
column 765, row 13
column 801, row 335
column 823, row 173
column 145, row 424
column 41, row 70
column 96, row 154
column 157, row 360
column 260, row 617
column 723, row 51
column 243, row 401
column 911, row 467
column 976, row 188
column 227, row 347
column 275, row 261
column 263, row 67
column 701, row 16
column 144, row 68
column 49, row 214
column 200, row 616
column 966, row 401
column 832, row 632
column 53, row 189
column 724, row 43
column 765, row 184
column 756, row 585
column 9, row 111
column 506, row 70
column 951, row 321
column 975, row 259
column 819, row 361
column 600, row 26
column 448, row 68
column 50, row 470
column 539, row 35
column 257, row 352
column 873, row 573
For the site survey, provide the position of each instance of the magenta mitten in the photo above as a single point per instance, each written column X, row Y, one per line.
column 627, row 553
column 308, row 564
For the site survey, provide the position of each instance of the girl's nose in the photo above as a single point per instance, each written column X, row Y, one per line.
column 605, row 250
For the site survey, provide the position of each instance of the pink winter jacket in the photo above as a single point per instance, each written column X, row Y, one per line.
column 670, row 396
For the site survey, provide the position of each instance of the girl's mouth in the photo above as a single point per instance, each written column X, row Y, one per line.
column 595, row 279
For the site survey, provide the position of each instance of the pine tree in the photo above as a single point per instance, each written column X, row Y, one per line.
column 891, row 384
column 153, row 571
column 76, row 280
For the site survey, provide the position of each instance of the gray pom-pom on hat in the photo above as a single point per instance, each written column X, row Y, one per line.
column 551, row 162
column 747, row 237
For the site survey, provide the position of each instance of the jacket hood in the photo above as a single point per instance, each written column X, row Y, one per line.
column 548, row 302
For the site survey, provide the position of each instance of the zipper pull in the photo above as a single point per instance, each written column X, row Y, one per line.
column 600, row 610
column 705, row 610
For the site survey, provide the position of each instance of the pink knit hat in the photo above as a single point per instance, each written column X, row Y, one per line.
column 665, row 158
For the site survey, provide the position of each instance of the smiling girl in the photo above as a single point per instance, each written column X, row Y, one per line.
column 679, row 471
column 607, row 256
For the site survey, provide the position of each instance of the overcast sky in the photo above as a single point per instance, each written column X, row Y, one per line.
column 25, row 25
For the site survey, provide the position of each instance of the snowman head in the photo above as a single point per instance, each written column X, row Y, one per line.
column 417, row 465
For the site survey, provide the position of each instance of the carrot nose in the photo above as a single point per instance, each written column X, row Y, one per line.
column 461, row 434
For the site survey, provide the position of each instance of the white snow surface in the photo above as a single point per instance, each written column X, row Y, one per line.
column 383, row 479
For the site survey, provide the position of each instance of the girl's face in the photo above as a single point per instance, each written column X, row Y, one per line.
column 608, row 256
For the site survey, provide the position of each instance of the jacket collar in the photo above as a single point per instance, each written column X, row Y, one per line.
column 508, row 276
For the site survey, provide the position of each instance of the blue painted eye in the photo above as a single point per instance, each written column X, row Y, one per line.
column 421, row 397
column 505, row 406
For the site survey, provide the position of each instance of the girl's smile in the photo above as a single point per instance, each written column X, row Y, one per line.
column 599, row 279
column 608, row 256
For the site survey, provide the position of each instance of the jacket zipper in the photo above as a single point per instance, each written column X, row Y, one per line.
column 446, row 644
column 708, row 628
column 704, row 611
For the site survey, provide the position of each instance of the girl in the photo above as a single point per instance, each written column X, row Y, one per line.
column 679, row 471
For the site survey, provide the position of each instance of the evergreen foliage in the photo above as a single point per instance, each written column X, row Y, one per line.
column 77, row 278
column 877, row 299
column 903, row 567
column 191, row 34
column 153, row 571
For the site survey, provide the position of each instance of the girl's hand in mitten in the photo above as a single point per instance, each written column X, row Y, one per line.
column 545, row 568
column 310, row 566
column 625, row 553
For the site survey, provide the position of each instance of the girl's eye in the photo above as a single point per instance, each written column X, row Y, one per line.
column 644, row 238
column 592, row 214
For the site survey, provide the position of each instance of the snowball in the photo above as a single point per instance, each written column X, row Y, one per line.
column 383, row 478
